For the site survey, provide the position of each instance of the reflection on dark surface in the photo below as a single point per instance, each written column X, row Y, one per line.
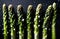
column 25, row 4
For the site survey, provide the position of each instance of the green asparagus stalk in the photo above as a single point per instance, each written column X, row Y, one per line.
column 12, row 21
column 29, row 34
column 20, row 19
column 54, row 21
column 46, row 21
column 36, row 21
column 5, row 21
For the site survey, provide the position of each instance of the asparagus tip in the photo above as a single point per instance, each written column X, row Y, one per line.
column 10, row 6
column 30, row 7
column 39, row 6
column 19, row 7
column 49, row 8
column 54, row 5
column 4, row 6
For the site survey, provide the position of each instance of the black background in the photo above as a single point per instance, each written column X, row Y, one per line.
column 25, row 4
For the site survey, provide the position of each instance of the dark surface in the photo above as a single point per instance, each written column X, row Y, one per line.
column 25, row 4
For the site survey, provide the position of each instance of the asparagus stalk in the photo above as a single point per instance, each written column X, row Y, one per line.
column 54, row 21
column 5, row 21
column 29, row 34
column 20, row 23
column 46, row 21
column 36, row 21
column 12, row 21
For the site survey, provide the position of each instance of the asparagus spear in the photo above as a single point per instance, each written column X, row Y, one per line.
column 54, row 21
column 12, row 21
column 46, row 21
column 36, row 21
column 29, row 35
column 20, row 16
column 5, row 21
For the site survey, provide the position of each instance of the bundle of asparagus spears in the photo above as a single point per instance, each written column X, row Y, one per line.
column 20, row 23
